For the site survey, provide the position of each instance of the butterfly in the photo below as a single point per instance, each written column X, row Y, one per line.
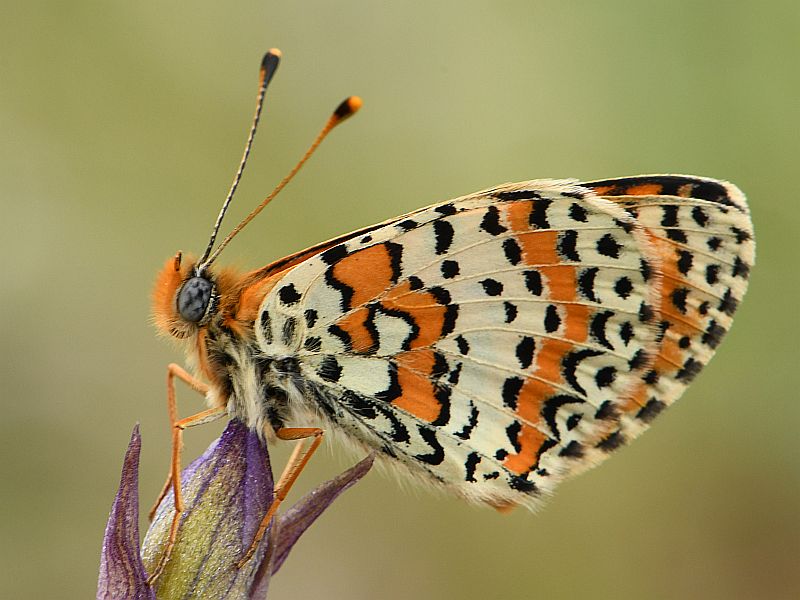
column 492, row 345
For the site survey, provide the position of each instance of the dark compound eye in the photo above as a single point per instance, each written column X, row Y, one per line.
column 193, row 299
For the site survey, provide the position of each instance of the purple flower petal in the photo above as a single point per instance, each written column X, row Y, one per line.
column 226, row 492
column 122, row 574
column 299, row 517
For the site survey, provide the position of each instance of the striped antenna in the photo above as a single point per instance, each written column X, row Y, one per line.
column 269, row 64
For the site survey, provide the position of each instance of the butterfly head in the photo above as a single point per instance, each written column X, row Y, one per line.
column 185, row 297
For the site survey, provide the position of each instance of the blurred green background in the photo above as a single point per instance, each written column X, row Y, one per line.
column 122, row 124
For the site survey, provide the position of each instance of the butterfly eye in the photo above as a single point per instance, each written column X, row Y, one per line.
column 193, row 299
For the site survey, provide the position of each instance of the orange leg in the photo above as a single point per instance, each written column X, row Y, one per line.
column 174, row 477
column 297, row 462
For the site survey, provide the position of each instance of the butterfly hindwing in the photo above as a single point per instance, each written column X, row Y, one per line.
column 501, row 341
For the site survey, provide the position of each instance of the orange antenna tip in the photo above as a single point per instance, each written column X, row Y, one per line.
column 347, row 109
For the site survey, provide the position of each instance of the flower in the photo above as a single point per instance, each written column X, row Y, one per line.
column 227, row 491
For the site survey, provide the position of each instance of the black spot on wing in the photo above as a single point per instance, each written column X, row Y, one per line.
column 289, row 331
column 533, row 282
column 407, row 224
column 538, row 216
column 685, row 260
column 516, row 195
column 395, row 259
column 334, row 254
column 650, row 410
column 512, row 251
column 623, row 287
column 577, row 213
column 567, row 245
column 597, row 327
column 669, row 216
column 679, row 297
column 511, row 390
column 689, row 370
column 470, row 465
column 312, row 344
column 699, row 215
column 492, row 287
column 570, row 363
column 511, row 311
column 606, row 410
column 522, row 484
column 491, row 222
column 512, row 432
column 311, row 317
column 741, row 235
column 608, row 246
column 450, row 318
column 676, row 235
column 436, row 456
column 450, row 269
column 466, row 432
column 329, row 369
column 443, row 232
column 605, row 376
column 572, row 450
column 740, row 268
column 415, row 283
column 442, row 395
column 586, row 283
column 525, row 349
column 288, row 294
column 552, row 321
column 712, row 274
column 626, row 332
column 729, row 303
column 611, row 442
column 713, row 334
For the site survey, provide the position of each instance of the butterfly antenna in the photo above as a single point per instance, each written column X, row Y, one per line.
column 346, row 109
column 269, row 64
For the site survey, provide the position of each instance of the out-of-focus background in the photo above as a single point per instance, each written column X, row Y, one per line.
column 122, row 124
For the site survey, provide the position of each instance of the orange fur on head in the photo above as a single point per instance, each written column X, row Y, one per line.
column 165, row 310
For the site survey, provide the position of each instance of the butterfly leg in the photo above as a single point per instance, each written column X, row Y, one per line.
column 297, row 462
column 174, row 477
column 173, row 371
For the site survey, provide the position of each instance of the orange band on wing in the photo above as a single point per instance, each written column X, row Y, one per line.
column 414, row 371
column 367, row 273
column 421, row 306
column 355, row 325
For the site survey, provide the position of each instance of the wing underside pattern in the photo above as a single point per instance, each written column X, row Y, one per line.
column 504, row 340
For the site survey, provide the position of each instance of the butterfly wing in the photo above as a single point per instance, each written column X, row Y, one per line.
column 499, row 341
